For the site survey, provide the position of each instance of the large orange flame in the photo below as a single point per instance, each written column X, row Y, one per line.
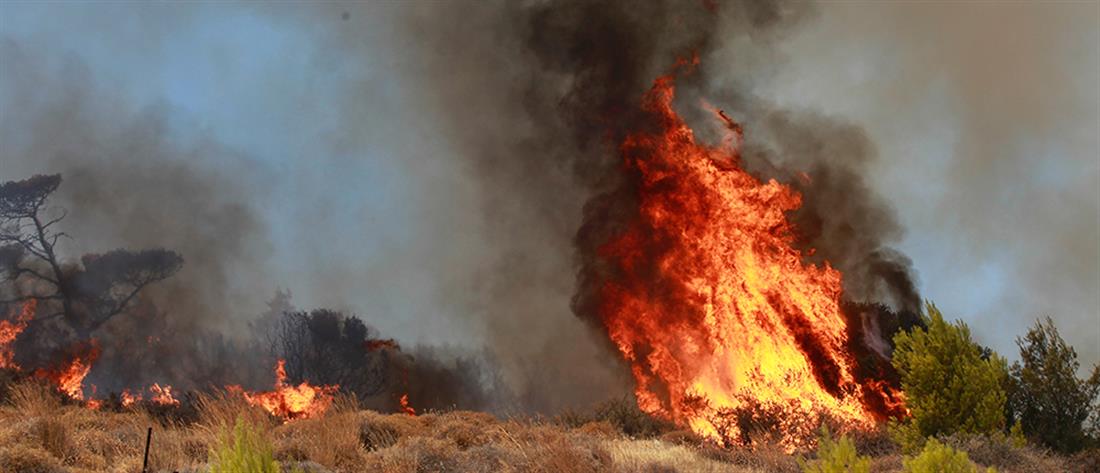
column 10, row 330
column 291, row 402
column 709, row 301
column 69, row 377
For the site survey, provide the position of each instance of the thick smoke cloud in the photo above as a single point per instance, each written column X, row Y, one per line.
column 986, row 119
column 557, row 85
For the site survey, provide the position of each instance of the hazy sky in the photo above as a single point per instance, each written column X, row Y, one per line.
column 986, row 117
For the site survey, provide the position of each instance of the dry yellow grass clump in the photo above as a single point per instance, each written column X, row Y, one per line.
column 41, row 434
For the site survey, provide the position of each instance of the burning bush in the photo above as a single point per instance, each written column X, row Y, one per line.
column 333, row 348
column 288, row 401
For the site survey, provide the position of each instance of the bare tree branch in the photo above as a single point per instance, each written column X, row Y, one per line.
column 90, row 294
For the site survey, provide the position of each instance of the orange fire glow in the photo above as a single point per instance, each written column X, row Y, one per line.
column 291, row 402
column 10, row 330
column 69, row 377
column 161, row 395
column 128, row 398
column 405, row 407
column 709, row 301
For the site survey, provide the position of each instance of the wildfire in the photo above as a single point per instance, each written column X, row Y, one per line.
column 709, row 301
column 161, row 395
column 405, row 407
column 10, row 330
column 69, row 377
column 291, row 402
column 128, row 399
column 380, row 344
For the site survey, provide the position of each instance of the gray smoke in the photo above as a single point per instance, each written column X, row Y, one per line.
column 129, row 182
column 535, row 98
column 986, row 119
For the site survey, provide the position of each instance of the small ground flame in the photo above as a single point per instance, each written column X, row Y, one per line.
column 405, row 407
column 160, row 395
column 291, row 402
column 10, row 330
column 163, row 395
column 128, row 398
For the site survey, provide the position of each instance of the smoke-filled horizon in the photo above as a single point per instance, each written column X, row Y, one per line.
column 431, row 175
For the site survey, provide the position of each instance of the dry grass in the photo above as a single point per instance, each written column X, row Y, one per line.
column 660, row 456
column 999, row 452
column 41, row 434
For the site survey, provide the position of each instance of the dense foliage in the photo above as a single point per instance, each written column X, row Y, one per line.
column 939, row 458
column 950, row 384
column 836, row 456
column 1046, row 397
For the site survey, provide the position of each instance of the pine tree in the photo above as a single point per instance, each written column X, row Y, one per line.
column 1046, row 396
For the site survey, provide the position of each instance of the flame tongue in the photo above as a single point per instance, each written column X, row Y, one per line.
column 405, row 406
column 10, row 330
column 163, row 395
column 707, row 298
column 291, row 402
column 69, row 377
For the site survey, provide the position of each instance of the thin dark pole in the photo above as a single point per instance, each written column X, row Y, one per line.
column 145, row 463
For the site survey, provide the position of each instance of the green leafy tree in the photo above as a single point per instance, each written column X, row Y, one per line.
column 950, row 385
column 939, row 458
column 1045, row 396
column 836, row 456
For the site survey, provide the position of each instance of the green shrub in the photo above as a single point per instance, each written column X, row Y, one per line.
column 242, row 450
column 951, row 385
column 836, row 456
column 939, row 458
column 1046, row 397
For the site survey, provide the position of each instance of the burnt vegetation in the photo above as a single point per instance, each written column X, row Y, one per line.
column 82, row 296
